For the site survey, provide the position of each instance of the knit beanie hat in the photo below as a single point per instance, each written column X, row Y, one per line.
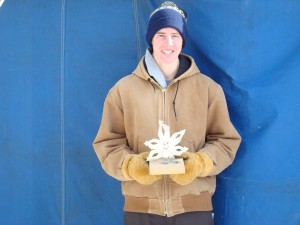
column 167, row 15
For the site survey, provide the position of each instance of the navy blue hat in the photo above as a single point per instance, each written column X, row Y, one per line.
column 167, row 15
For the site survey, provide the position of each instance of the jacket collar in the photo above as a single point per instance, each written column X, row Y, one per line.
column 187, row 68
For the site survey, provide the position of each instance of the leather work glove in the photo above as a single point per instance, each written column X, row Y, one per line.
column 135, row 167
column 197, row 164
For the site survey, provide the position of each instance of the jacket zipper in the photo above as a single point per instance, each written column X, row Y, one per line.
column 165, row 176
column 165, row 197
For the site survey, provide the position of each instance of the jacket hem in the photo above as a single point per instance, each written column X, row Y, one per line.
column 186, row 203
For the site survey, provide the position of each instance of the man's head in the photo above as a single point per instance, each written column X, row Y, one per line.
column 167, row 15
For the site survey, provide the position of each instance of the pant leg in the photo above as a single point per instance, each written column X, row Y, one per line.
column 194, row 218
column 133, row 218
column 190, row 218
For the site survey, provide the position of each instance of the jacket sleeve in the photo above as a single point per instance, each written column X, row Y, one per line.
column 110, row 143
column 222, row 139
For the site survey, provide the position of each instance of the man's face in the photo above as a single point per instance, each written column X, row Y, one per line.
column 167, row 45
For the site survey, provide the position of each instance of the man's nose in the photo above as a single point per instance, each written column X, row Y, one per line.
column 170, row 40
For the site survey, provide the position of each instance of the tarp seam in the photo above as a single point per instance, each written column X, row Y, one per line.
column 62, row 124
column 137, row 28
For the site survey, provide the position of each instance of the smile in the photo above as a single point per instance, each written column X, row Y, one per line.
column 168, row 52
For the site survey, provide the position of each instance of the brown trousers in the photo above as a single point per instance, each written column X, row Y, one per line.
column 190, row 218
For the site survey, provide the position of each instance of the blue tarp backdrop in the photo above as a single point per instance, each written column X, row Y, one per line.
column 59, row 58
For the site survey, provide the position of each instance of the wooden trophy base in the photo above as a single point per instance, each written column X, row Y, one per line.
column 157, row 167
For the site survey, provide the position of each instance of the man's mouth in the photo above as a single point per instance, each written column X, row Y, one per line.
column 168, row 52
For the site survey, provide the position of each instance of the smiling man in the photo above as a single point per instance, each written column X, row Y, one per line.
column 168, row 86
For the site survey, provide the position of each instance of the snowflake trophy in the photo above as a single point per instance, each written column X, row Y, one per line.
column 166, row 146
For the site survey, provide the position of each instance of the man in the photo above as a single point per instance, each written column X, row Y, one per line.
column 166, row 86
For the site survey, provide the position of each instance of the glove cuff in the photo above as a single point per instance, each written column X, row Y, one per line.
column 125, row 163
column 207, row 164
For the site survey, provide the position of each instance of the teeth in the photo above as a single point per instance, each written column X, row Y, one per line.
column 167, row 52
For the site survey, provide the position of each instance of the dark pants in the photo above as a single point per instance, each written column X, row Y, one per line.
column 190, row 218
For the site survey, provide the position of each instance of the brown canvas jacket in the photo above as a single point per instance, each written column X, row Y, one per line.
column 130, row 116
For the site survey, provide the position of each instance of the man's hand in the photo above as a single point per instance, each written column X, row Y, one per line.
column 135, row 167
column 197, row 164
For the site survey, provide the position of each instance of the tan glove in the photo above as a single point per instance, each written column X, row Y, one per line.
column 135, row 167
column 197, row 164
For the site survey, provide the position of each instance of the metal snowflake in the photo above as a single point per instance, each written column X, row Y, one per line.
column 166, row 146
